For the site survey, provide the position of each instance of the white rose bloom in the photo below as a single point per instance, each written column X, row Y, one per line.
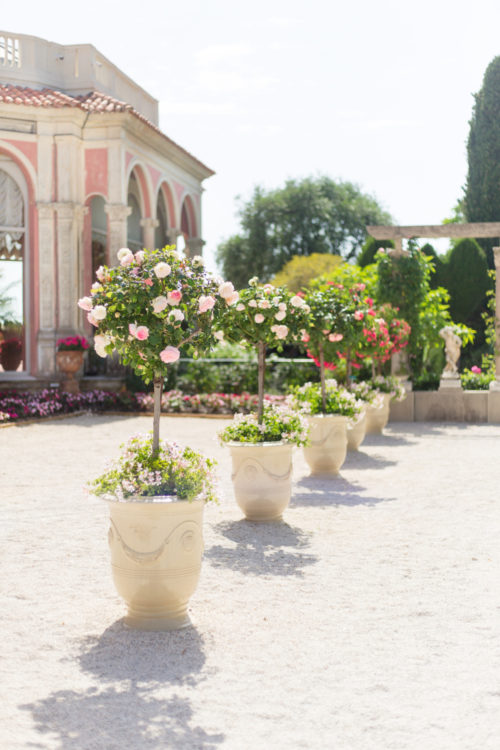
column 280, row 315
column 99, row 312
column 176, row 314
column 264, row 304
column 253, row 281
column 297, row 301
column 282, row 306
column 219, row 335
column 226, row 289
column 234, row 297
column 174, row 255
column 161, row 270
column 280, row 332
column 101, row 341
column 198, row 261
column 159, row 304
column 240, row 307
column 124, row 252
column 252, row 303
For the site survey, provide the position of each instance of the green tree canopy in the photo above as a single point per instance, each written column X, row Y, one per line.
column 304, row 217
column 482, row 190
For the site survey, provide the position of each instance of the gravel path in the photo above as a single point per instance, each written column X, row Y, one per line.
column 368, row 620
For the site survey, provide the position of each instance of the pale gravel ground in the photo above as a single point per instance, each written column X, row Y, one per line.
column 368, row 620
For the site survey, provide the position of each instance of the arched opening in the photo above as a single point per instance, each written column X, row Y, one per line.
column 13, row 269
column 99, row 225
column 161, row 238
column 134, row 229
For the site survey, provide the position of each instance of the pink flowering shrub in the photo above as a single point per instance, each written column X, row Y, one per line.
column 152, row 305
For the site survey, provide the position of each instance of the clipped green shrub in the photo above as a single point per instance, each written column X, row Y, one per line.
column 438, row 277
column 467, row 280
column 369, row 249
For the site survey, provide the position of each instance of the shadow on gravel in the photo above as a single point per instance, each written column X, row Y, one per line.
column 259, row 549
column 123, row 710
column 361, row 460
column 327, row 492
column 376, row 440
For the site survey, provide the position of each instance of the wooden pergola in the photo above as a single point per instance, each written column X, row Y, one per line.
column 437, row 231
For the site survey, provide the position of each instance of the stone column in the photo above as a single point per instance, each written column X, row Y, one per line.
column 46, row 289
column 117, row 235
column 67, row 265
column 172, row 235
column 148, row 232
column 194, row 246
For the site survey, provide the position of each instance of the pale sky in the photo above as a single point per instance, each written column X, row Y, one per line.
column 377, row 93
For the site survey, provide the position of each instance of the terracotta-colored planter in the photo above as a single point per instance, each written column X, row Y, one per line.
column 377, row 417
column 328, row 448
column 69, row 362
column 156, row 552
column 356, row 433
column 10, row 357
column 262, row 478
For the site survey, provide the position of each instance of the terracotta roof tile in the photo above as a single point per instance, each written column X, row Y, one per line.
column 94, row 102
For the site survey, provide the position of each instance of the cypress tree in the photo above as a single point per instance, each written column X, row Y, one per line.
column 482, row 190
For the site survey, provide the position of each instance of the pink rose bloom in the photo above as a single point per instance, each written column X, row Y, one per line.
column 205, row 303
column 234, row 297
column 259, row 318
column 296, row 301
column 240, row 307
column 358, row 315
column 252, row 303
column 85, row 303
column 170, row 354
column 101, row 274
column 148, row 282
column 139, row 256
column 132, row 329
column 173, row 298
column 268, row 288
column 305, row 337
column 126, row 258
column 333, row 337
column 475, row 369
column 142, row 333
column 92, row 319
column 264, row 304
column 280, row 315
column 281, row 332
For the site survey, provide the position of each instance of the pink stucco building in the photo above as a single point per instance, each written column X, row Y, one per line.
column 84, row 170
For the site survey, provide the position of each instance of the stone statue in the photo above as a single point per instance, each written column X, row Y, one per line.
column 452, row 345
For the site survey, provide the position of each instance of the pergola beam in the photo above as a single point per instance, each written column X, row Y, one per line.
column 475, row 229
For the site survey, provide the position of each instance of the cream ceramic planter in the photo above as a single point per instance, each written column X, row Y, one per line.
column 156, row 551
column 328, row 443
column 262, row 478
column 377, row 417
column 356, row 433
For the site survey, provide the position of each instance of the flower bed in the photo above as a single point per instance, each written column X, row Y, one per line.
column 16, row 406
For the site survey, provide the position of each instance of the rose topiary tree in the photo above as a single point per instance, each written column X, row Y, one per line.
column 334, row 327
column 152, row 305
column 265, row 316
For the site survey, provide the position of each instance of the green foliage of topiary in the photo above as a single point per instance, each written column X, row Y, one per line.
column 369, row 250
column 467, row 280
column 438, row 273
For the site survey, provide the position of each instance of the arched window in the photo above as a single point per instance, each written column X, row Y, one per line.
column 12, row 269
column 99, row 232
column 134, row 229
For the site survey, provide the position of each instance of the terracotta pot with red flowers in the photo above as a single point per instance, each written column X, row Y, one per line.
column 69, row 359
